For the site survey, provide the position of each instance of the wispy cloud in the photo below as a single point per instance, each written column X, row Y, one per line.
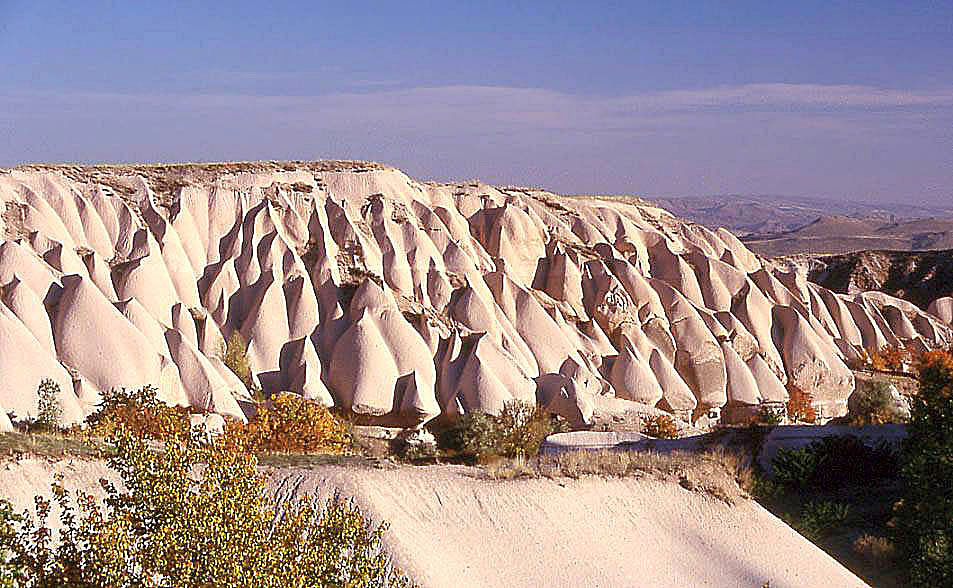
column 525, row 107
column 770, row 137
column 799, row 95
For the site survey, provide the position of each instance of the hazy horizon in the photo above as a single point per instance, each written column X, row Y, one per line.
column 851, row 101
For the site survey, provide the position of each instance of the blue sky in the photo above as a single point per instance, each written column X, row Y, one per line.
column 838, row 99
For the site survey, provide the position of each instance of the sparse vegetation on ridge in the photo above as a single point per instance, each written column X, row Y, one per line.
column 838, row 491
column 51, row 445
column 518, row 430
column 722, row 474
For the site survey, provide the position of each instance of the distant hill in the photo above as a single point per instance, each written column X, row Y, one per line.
column 842, row 234
column 762, row 215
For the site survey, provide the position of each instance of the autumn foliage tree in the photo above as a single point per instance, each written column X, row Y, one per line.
column 800, row 405
column 190, row 514
column 290, row 424
column 660, row 426
column 194, row 511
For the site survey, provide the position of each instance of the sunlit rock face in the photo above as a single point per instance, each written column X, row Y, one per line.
column 403, row 301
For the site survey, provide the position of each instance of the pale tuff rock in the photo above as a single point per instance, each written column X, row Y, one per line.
column 942, row 308
column 570, row 393
column 96, row 340
column 204, row 385
column 27, row 307
column 18, row 261
column 770, row 387
column 632, row 377
column 743, row 391
column 148, row 325
column 812, row 363
column 489, row 378
column 98, row 271
column 5, row 425
column 401, row 301
column 300, row 371
column 24, row 363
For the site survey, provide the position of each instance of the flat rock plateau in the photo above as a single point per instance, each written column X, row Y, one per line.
column 403, row 301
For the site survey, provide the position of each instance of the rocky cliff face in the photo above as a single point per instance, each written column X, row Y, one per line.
column 920, row 277
column 402, row 301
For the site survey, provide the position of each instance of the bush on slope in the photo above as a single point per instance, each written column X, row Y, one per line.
column 190, row 514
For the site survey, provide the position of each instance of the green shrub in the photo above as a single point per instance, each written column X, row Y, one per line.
column 172, row 526
column 522, row 427
column 845, row 460
column 875, row 405
column 49, row 416
column 762, row 488
column 474, row 434
column 235, row 357
column 820, row 518
column 518, row 430
column 769, row 416
column 924, row 522
column 835, row 462
column 794, row 468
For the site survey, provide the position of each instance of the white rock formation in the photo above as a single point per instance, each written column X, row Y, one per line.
column 403, row 301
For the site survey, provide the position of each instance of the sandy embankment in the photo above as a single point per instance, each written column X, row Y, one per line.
column 448, row 528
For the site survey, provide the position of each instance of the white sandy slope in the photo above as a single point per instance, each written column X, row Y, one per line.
column 450, row 528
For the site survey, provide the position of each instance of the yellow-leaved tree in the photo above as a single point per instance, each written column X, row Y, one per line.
column 190, row 512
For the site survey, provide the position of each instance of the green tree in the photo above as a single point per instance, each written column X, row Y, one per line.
column 235, row 356
column 49, row 412
column 924, row 523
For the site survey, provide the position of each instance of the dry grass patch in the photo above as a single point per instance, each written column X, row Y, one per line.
column 717, row 472
column 52, row 445
column 878, row 550
column 511, row 468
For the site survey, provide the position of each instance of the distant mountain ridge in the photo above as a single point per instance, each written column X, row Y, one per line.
column 770, row 214
column 842, row 234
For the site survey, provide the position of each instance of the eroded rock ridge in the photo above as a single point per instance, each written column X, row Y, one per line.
column 404, row 301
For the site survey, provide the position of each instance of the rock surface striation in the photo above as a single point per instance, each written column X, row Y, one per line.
column 404, row 301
